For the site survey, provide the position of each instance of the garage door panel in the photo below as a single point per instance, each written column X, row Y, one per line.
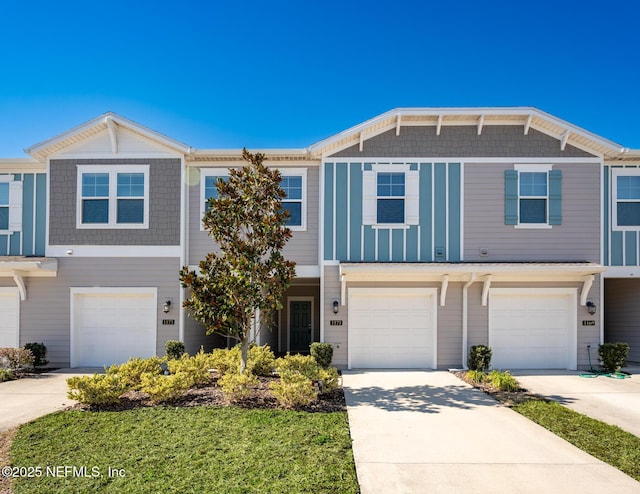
column 391, row 328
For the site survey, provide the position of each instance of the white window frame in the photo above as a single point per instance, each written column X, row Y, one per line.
column 112, row 171
column 411, row 195
column 534, row 168
column 15, row 204
column 615, row 173
column 204, row 173
column 298, row 172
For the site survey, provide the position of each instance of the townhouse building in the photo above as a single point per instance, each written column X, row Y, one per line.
column 416, row 235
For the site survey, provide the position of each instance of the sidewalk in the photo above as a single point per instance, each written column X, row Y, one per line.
column 428, row 432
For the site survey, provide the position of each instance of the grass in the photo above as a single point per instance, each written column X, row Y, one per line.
column 606, row 442
column 199, row 449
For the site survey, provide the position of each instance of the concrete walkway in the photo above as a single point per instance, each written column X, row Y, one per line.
column 428, row 432
column 614, row 401
column 31, row 397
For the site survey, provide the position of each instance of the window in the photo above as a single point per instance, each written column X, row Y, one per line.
column 533, row 196
column 208, row 189
column 626, row 194
column 113, row 196
column 391, row 197
column 10, row 204
column 292, row 185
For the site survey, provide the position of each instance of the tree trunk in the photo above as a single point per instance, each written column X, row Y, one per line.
column 244, row 354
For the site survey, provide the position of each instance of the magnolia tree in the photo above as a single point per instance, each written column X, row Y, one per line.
column 246, row 281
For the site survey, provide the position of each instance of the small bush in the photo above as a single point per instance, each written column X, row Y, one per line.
column 16, row 358
column 236, row 386
column 323, row 353
column 162, row 388
column 503, row 381
column 99, row 389
column 261, row 361
column 479, row 358
column 476, row 376
column 294, row 390
column 39, row 351
column 195, row 369
column 330, row 379
column 130, row 373
column 613, row 356
column 226, row 360
column 174, row 349
column 6, row 374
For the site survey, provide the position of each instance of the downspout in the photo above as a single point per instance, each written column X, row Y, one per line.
column 465, row 318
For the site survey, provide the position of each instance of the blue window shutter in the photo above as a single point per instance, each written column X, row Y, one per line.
column 510, row 197
column 555, row 197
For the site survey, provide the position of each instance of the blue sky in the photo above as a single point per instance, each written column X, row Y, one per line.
column 287, row 74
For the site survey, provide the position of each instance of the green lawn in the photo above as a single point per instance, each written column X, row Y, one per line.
column 606, row 442
column 200, row 449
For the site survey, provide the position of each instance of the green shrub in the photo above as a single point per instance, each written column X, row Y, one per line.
column 130, row 373
column 6, row 374
column 476, row 376
column 236, row 386
column 503, row 381
column 174, row 349
column 195, row 369
column 16, row 358
column 613, row 356
column 261, row 361
column 294, row 390
column 330, row 379
column 323, row 353
column 162, row 388
column 99, row 389
column 226, row 360
column 479, row 357
column 39, row 351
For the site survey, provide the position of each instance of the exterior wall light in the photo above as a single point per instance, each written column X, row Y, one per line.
column 166, row 307
column 591, row 308
column 336, row 306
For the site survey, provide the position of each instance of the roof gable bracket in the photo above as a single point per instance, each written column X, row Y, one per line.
column 361, row 140
column 485, row 289
column 480, row 124
column 527, row 124
column 443, row 290
column 17, row 277
column 586, row 288
column 113, row 134
column 398, row 124
column 343, row 290
column 564, row 139
column 439, row 125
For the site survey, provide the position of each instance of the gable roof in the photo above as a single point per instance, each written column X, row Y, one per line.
column 528, row 117
column 107, row 121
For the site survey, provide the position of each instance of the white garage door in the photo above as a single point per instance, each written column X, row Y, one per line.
column 532, row 328
column 9, row 317
column 392, row 328
column 110, row 326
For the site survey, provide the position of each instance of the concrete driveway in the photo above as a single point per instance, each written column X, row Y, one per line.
column 428, row 432
column 614, row 401
column 31, row 397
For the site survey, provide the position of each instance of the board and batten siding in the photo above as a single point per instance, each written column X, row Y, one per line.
column 436, row 237
column 301, row 248
column 45, row 314
column 29, row 239
column 577, row 238
column 620, row 247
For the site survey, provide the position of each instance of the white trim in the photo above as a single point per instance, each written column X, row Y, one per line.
column 288, row 328
column 76, row 291
column 298, row 172
column 523, row 160
column 622, row 272
column 113, row 171
column 431, row 292
column 534, row 168
column 8, row 291
column 572, row 343
column 613, row 200
column 307, row 271
column 14, row 205
column 462, row 215
column 114, row 251
column 349, row 211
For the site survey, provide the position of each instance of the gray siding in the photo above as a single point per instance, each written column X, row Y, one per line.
column 622, row 314
column 461, row 141
column 301, row 248
column 195, row 337
column 336, row 335
column 576, row 239
column 45, row 315
column 164, row 205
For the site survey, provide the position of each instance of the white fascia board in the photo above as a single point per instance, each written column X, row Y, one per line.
column 22, row 165
column 622, row 272
column 236, row 154
column 301, row 271
column 38, row 268
column 70, row 251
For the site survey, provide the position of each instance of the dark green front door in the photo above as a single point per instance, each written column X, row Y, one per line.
column 300, row 325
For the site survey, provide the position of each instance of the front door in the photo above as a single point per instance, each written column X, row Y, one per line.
column 300, row 325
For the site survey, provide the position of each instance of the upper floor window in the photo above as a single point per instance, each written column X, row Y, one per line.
column 113, row 196
column 10, row 204
column 533, row 196
column 626, row 195
column 390, row 195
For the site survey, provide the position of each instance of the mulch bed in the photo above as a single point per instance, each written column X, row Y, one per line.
column 507, row 398
column 211, row 395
